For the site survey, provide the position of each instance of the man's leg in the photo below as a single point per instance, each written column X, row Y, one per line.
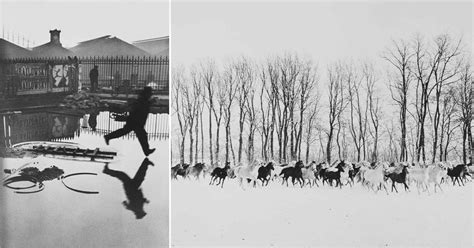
column 116, row 134
column 117, row 174
column 143, row 139
column 140, row 174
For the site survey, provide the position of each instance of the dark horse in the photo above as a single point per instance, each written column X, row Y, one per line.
column 179, row 170
column 220, row 173
column 264, row 173
column 196, row 170
column 294, row 172
column 457, row 173
column 399, row 178
column 329, row 176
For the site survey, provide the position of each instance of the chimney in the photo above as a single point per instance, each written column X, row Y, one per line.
column 54, row 34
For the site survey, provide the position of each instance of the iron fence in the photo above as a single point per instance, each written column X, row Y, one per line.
column 30, row 76
column 117, row 75
column 126, row 74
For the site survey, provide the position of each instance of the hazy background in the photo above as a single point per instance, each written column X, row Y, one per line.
column 325, row 31
column 83, row 20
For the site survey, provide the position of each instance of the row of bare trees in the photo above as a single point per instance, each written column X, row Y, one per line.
column 437, row 76
column 278, row 108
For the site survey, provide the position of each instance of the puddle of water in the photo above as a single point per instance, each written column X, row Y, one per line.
column 131, row 207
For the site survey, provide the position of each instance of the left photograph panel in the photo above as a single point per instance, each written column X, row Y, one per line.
column 84, row 124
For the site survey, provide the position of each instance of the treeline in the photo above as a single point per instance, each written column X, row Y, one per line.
column 417, row 108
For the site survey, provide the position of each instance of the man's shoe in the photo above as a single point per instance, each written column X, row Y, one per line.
column 150, row 151
column 149, row 162
column 106, row 168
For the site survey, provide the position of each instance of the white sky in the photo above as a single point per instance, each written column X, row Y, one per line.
column 82, row 20
column 325, row 31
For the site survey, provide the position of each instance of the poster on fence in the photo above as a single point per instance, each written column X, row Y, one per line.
column 62, row 75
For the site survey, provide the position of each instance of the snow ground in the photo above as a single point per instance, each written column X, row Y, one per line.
column 277, row 216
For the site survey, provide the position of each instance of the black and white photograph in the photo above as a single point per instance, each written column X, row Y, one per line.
column 321, row 124
column 84, row 124
column 236, row 123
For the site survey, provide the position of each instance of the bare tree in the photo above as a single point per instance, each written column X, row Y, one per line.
column 447, row 125
column 244, row 77
column 307, row 84
column 374, row 109
column 465, row 100
column 218, row 110
column 289, row 71
column 358, row 112
column 230, row 90
column 336, row 103
column 252, row 124
column 424, row 69
column 310, row 124
column 444, row 74
column 266, row 103
column 197, row 109
column 400, row 58
column 207, row 76
column 191, row 96
column 179, row 107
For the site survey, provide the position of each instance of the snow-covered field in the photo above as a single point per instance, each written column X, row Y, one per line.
column 277, row 216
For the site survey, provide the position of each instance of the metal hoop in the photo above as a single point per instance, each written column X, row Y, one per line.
column 78, row 190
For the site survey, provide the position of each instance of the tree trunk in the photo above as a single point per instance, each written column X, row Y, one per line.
column 210, row 138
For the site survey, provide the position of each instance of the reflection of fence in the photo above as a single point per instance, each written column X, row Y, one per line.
column 30, row 76
column 127, row 74
column 16, row 128
column 44, row 126
column 102, row 132
column 156, row 125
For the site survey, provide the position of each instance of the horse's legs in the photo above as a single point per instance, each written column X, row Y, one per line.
column 457, row 179
column 406, row 186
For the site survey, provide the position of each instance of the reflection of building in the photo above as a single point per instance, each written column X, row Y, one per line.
column 42, row 126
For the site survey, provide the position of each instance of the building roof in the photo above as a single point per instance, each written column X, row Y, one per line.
column 9, row 50
column 107, row 46
column 155, row 46
column 51, row 50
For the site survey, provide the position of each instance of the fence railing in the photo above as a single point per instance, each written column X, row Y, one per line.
column 24, row 76
column 117, row 75
column 126, row 74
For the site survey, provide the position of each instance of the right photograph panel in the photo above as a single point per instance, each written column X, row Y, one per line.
column 317, row 124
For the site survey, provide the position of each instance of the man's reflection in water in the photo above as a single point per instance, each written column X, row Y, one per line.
column 134, row 193
column 93, row 120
